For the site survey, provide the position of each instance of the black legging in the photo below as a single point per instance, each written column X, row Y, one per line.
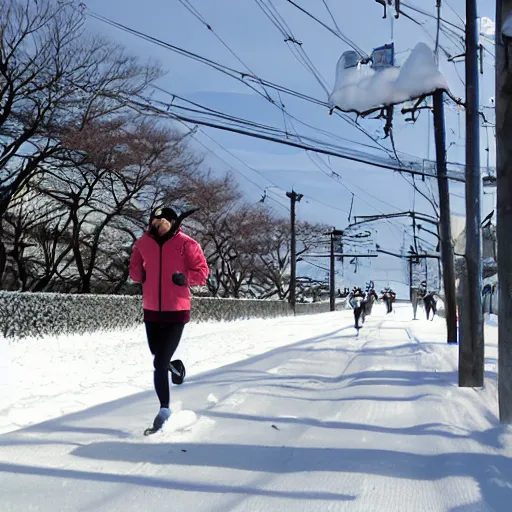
column 163, row 340
column 358, row 312
column 430, row 305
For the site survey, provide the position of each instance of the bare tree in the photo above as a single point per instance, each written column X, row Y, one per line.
column 274, row 262
column 121, row 170
column 53, row 79
column 35, row 237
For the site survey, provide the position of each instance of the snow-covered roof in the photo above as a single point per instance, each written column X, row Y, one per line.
column 362, row 88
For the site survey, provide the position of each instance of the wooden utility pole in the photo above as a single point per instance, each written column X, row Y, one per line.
column 294, row 198
column 410, row 279
column 332, row 277
column 471, row 348
column 426, row 273
column 332, row 271
column 445, row 229
column 504, row 207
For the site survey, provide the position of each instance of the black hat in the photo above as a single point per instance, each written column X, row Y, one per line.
column 164, row 213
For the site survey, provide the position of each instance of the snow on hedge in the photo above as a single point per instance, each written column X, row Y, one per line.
column 362, row 88
column 25, row 315
column 43, row 314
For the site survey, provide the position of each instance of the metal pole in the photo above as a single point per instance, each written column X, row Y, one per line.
column 294, row 197
column 410, row 278
column 332, row 285
column 444, row 220
column 471, row 350
column 504, row 210
column 293, row 271
column 426, row 272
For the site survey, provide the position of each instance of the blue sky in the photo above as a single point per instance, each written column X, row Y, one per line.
column 248, row 32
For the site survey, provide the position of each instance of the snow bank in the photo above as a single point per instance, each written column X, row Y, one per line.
column 7, row 379
column 362, row 88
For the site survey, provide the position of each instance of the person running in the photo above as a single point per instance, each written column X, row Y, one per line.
column 430, row 302
column 389, row 296
column 356, row 301
column 166, row 261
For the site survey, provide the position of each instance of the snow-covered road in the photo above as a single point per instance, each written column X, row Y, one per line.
column 318, row 420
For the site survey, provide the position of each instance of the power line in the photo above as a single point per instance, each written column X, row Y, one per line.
column 430, row 15
column 331, row 15
column 227, row 163
column 204, row 21
column 415, row 167
column 254, row 170
column 188, row 5
column 338, row 34
column 455, row 12
column 285, row 113
column 293, row 43
column 241, row 77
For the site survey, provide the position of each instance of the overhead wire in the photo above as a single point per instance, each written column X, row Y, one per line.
column 188, row 5
column 430, row 15
column 191, row 133
column 233, row 73
column 309, row 196
column 217, row 66
column 331, row 15
column 338, row 34
column 455, row 12
column 277, row 135
column 294, row 45
column 252, row 168
column 240, row 76
column 285, row 113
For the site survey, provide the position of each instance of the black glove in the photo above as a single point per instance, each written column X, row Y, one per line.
column 179, row 279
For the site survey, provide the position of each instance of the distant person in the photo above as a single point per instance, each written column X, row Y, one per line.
column 166, row 262
column 415, row 298
column 430, row 302
column 356, row 301
column 388, row 296
column 417, row 294
column 370, row 297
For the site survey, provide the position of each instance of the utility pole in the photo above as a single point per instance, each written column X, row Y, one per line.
column 410, row 279
column 294, row 198
column 332, row 277
column 504, row 210
column 445, row 229
column 426, row 273
column 332, row 271
column 471, row 347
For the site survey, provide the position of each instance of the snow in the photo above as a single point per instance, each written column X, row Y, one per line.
column 6, row 375
column 361, row 88
column 492, row 320
column 487, row 27
column 286, row 414
column 119, row 363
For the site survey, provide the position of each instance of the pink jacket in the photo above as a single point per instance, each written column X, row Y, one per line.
column 153, row 266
